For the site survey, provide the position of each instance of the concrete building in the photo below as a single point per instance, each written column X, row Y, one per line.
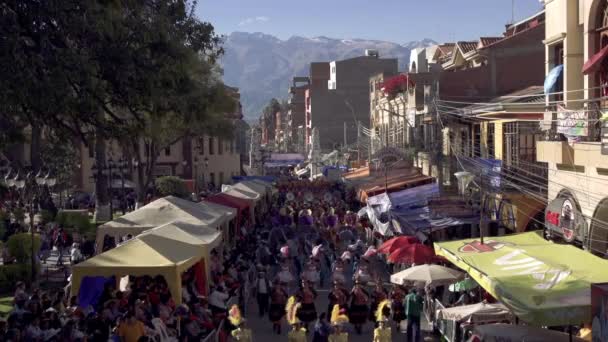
column 576, row 38
column 296, row 115
column 337, row 107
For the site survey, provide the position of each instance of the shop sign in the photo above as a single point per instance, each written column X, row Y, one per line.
column 562, row 217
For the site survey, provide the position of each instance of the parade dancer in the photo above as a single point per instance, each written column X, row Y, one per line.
column 397, row 295
column 383, row 332
column 308, row 312
column 358, row 307
column 338, row 320
column 378, row 296
column 278, row 299
column 241, row 333
column 337, row 296
column 297, row 333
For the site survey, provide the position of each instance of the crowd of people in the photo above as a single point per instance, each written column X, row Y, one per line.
column 310, row 239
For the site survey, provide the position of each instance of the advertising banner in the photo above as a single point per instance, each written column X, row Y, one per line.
column 543, row 283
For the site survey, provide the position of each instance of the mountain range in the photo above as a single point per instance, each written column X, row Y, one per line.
column 262, row 65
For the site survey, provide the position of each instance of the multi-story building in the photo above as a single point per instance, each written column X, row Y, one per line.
column 296, row 115
column 338, row 108
column 576, row 46
column 495, row 141
column 198, row 160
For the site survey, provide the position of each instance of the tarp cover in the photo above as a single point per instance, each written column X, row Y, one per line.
column 166, row 251
column 163, row 211
column 543, row 283
column 267, row 179
column 476, row 313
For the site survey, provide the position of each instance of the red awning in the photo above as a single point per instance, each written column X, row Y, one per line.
column 240, row 204
column 595, row 61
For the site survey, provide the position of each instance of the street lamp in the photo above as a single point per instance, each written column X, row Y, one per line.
column 30, row 188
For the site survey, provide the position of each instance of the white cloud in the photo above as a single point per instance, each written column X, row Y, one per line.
column 253, row 20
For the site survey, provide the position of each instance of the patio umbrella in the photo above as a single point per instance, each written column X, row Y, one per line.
column 412, row 254
column 463, row 285
column 395, row 243
column 428, row 274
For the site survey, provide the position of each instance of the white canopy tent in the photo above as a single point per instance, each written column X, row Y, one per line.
column 163, row 211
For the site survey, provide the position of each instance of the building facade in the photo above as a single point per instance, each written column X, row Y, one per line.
column 577, row 155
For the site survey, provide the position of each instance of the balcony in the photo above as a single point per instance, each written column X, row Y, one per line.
column 590, row 154
column 558, row 152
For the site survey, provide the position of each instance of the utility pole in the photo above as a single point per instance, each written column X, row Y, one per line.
column 481, row 230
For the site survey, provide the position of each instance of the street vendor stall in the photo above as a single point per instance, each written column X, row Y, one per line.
column 518, row 333
column 240, row 204
column 454, row 322
column 167, row 252
column 542, row 283
column 160, row 212
column 251, row 197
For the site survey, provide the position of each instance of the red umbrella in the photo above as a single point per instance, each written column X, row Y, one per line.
column 396, row 243
column 412, row 254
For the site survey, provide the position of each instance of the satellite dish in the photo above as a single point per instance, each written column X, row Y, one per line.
column 290, row 196
column 308, row 197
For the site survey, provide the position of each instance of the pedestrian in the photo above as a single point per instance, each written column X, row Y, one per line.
column 262, row 293
column 359, row 308
column 414, row 304
column 322, row 329
column 308, row 311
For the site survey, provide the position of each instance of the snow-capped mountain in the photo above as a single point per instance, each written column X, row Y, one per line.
column 262, row 65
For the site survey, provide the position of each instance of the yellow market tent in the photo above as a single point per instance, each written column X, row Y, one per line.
column 543, row 283
column 160, row 212
column 168, row 250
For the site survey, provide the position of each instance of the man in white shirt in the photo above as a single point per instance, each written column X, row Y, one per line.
column 263, row 292
column 217, row 300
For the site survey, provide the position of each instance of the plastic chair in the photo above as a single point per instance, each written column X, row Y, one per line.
column 161, row 331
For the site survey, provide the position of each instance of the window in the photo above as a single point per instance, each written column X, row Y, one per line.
column 464, row 143
column 558, row 59
column 212, row 178
column 477, row 140
column 168, row 151
column 220, row 146
column 221, row 178
column 333, row 70
column 211, row 149
column 490, row 141
column 201, row 145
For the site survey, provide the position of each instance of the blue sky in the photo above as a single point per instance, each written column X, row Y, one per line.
column 393, row 20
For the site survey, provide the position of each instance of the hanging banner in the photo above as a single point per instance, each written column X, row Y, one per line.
column 572, row 123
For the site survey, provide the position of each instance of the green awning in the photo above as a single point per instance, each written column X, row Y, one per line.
column 543, row 283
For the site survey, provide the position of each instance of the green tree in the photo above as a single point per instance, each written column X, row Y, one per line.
column 102, row 69
column 171, row 186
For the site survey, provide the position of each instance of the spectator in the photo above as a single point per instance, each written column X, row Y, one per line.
column 131, row 329
column 414, row 304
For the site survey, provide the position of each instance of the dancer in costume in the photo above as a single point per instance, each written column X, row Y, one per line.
column 337, row 296
column 297, row 333
column 278, row 299
column 383, row 332
column 397, row 295
column 378, row 296
column 308, row 312
column 241, row 333
column 338, row 320
column 359, row 307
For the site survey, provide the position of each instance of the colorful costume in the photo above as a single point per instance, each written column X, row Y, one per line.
column 338, row 319
column 297, row 333
column 241, row 333
column 383, row 332
column 308, row 311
